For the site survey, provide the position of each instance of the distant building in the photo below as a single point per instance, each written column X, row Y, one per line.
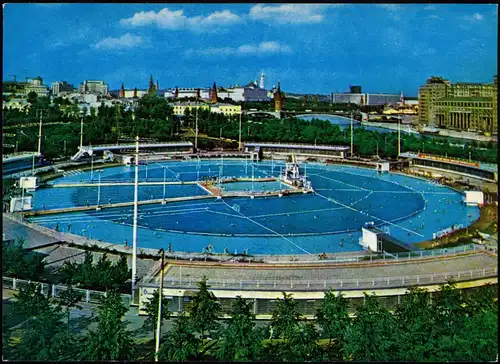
column 462, row 106
column 36, row 85
column 365, row 98
column 179, row 93
column 355, row 89
column 59, row 87
column 226, row 109
column 180, row 107
column 89, row 86
column 135, row 93
column 261, row 84
column 213, row 94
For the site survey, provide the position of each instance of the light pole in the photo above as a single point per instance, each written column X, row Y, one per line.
column 40, row 134
column 99, row 191
column 352, row 138
column 134, row 235
column 92, row 169
column 160, row 296
column 239, row 137
column 164, row 181
column 81, row 132
column 469, row 156
column 399, row 137
column 196, row 126
column 377, row 148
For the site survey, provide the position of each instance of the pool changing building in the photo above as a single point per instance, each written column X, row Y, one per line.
column 337, row 151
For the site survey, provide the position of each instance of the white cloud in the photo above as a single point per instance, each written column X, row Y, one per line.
column 175, row 20
column 125, row 41
column 288, row 13
column 263, row 48
column 474, row 17
column 430, row 7
column 434, row 17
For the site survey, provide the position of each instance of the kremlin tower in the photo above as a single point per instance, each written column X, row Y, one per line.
column 135, row 92
column 122, row 91
column 278, row 98
column 214, row 93
column 176, row 92
column 152, row 88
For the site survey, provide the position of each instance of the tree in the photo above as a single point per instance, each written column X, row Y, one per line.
column 371, row 333
column 111, row 340
column 45, row 338
column 204, row 310
column 30, row 301
column 69, row 299
column 415, row 326
column 240, row 340
column 303, row 344
column 181, row 343
column 20, row 263
column 333, row 319
column 286, row 318
column 151, row 308
column 32, row 96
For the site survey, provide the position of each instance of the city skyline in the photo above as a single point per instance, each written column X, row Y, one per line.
column 309, row 48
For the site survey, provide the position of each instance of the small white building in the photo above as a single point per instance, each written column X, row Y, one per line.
column 21, row 203
column 28, row 183
column 474, row 198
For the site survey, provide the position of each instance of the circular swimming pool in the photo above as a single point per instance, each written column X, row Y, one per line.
column 328, row 220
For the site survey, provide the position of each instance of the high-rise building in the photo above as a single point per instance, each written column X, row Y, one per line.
column 61, row 86
column 435, row 88
column 98, row 87
column 462, row 106
column 261, row 85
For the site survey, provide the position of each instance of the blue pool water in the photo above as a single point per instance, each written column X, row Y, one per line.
column 328, row 220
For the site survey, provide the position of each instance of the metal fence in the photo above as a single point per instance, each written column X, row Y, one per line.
column 337, row 284
column 336, row 258
column 55, row 290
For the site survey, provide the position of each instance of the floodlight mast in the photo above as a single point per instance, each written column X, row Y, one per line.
column 134, row 236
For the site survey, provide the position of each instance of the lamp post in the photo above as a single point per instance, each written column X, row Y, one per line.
column 134, row 235
column 160, row 296
column 81, row 131
column 399, row 137
column 196, row 126
column 164, row 181
column 352, row 138
column 239, row 137
column 92, row 169
column 99, row 191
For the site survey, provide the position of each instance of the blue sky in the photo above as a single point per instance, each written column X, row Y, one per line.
column 309, row 48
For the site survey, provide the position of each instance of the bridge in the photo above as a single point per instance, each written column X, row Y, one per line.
column 280, row 114
column 109, row 148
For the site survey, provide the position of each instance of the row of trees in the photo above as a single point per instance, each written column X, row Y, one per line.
column 153, row 118
column 17, row 262
column 448, row 327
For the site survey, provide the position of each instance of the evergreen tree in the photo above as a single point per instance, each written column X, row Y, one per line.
column 333, row 319
column 370, row 337
column 111, row 340
column 240, row 340
column 180, row 343
column 204, row 310
column 151, row 309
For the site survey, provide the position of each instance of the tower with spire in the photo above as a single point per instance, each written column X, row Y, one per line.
column 214, row 93
column 157, row 85
column 278, row 98
column 122, row 91
column 152, row 88
column 176, row 92
column 135, row 92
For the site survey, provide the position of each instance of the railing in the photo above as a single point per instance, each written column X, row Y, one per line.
column 72, row 238
column 54, row 290
column 337, row 284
